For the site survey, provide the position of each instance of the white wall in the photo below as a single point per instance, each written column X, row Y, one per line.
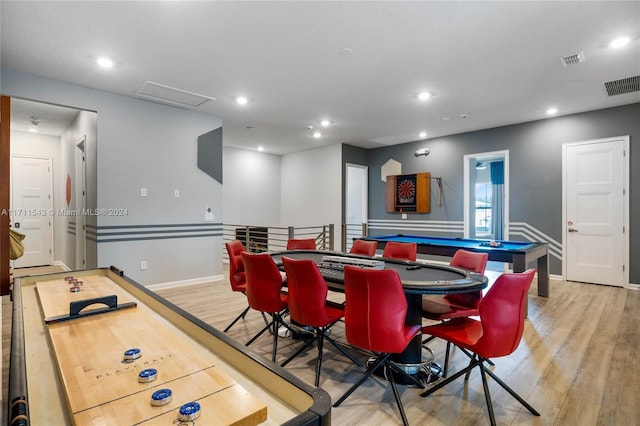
column 251, row 188
column 312, row 187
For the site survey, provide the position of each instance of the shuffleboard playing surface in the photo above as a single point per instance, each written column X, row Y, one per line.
column 100, row 386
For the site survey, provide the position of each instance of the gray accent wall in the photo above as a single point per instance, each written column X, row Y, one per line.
column 141, row 144
column 535, row 152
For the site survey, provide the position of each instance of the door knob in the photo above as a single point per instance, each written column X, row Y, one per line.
column 572, row 230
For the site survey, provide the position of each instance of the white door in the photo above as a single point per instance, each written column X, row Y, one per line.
column 594, row 239
column 356, row 202
column 31, row 207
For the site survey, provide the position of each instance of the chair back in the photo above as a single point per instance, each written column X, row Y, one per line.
column 502, row 314
column 237, row 276
column 301, row 244
column 474, row 262
column 470, row 260
column 375, row 309
column 307, row 292
column 366, row 248
column 264, row 282
column 401, row 251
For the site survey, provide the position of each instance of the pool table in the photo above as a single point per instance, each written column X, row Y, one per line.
column 519, row 253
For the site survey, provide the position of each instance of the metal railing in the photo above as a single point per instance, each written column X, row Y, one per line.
column 257, row 238
column 351, row 231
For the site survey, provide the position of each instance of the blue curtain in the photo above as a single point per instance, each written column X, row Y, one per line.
column 497, row 204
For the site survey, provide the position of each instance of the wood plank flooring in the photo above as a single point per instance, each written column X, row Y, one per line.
column 576, row 364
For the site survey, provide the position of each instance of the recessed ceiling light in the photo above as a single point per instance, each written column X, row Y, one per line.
column 261, row 148
column 317, row 135
column 325, row 122
column 242, row 100
column 552, row 110
column 423, row 96
column 104, row 62
column 423, row 134
column 620, row 42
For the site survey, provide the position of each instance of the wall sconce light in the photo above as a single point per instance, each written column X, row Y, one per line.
column 421, row 152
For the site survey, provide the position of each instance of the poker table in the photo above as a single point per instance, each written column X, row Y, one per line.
column 518, row 253
column 417, row 278
column 95, row 347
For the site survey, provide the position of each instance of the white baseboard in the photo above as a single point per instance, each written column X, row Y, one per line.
column 61, row 264
column 634, row 286
column 184, row 283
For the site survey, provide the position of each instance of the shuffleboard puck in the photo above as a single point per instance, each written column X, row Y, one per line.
column 74, row 289
column 148, row 375
column 132, row 354
column 189, row 411
column 161, row 397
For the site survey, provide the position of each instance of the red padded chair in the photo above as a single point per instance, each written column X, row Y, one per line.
column 496, row 334
column 264, row 285
column 307, row 291
column 442, row 308
column 402, row 251
column 366, row 248
column 375, row 314
column 237, row 276
column 301, row 244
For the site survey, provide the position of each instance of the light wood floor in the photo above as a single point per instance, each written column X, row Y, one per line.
column 576, row 364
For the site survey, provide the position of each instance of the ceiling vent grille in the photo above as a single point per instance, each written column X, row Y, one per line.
column 170, row 95
column 574, row 59
column 622, row 86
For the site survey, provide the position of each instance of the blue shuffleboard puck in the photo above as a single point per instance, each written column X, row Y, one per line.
column 161, row 397
column 148, row 375
column 131, row 354
column 189, row 411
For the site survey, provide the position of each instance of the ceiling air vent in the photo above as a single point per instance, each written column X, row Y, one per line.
column 170, row 95
column 574, row 59
column 622, row 86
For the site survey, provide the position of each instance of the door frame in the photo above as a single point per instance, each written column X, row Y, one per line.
column 472, row 159
column 81, row 203
column 364, row 201
column 625, row 202
column 50, row 207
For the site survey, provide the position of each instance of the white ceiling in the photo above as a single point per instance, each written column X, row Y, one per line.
column 361, row 64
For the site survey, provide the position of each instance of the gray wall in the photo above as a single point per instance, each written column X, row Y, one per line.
column 144, row 145
column 535, row 151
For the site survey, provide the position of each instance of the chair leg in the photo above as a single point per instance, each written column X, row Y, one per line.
column 446, row 360
column 320, row 339
column 404, row 374
column 487, row 395
column 306, row 345
column 378, row 362
column 260, row 333
column 511, row 391
column 440, row 385
column 346, row 353
column 242, row 315
column 276, row 324
column 405, row 422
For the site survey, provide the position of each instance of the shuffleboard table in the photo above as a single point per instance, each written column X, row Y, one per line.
column 95, row 347
column 518, row 253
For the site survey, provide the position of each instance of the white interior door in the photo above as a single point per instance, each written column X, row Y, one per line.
column 595, row 208
column 32, row 209
column 356, row 202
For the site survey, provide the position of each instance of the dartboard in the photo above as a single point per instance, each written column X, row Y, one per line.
column 406, row 189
